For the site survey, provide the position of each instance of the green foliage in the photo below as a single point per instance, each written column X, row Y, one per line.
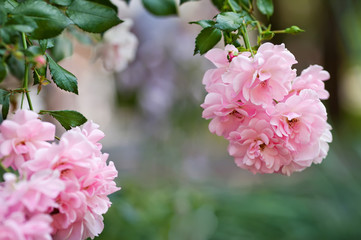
column 67, row 118
column 207, row 39
column 230, row 21
column 204, row 23
column 50, row 20
column 21, row 23
column 5, row 102
column 265, row 7
column 62, row 2
column 160, row 7
column 184, row 1
column 46, row 44
column 293, row 30
column 92, row 16
column 62, row 78
column 2, row 70
column 16, row 66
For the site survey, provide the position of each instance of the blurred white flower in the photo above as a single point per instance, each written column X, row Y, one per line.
column 118, row 47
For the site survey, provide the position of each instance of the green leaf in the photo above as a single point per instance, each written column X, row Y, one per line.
column 160, row 7
column 49, row 19
column 33, row 51
column 16, row 67
column 230, row 21
column 46, row 44
column 61, row 77
column 3, row 71
column 184, row 1
column 219, row 4
column 265, row 7
column 106, row 3
column 10, row 4
column 293, row 30
column 127, row 1
column 67, row 118
column 3, row 15
column 61, row 2
column 22, row 24
column 234, row 5
column 5, row 102
column 207, row 39
column 204, row 23
column 8, row 35
column 91, row 16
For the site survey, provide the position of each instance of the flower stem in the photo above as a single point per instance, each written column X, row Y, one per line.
column 3, row 167
column 26, row 78
column 246, row 39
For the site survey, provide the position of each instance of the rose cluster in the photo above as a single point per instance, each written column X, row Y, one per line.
column 274, row 120
column 62, row 188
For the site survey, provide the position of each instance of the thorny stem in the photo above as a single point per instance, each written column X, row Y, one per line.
column 26, row 78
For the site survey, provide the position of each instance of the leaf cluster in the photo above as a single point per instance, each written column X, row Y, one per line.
column 236, row 17
column 31, row 29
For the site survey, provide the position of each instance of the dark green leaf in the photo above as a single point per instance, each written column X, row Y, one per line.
column 49, row 19
column 160, row 7
column 8, row 35
column 67, row 118
column 2, row 70
column 3, row 15
column 10, row 4
column 22, row 24
column 293, row 30
column 219, row 4
column 62, row 2
column 61, row 77
column 207, row 39
column 106, row 3
column 265, row 7
column 204, row 23
column 16, row 67
column 184, row 1
column 46, row 44
column 234, row 5
column 127, row 1
column 229, row 21
column 6, row 105
column 5, row 102
column 91, row 16
column 245, row 4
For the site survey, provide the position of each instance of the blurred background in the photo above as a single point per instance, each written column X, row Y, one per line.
column 177, row 179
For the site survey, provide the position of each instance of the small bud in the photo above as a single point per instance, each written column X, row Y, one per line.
column 18, row 54
column 40, row 61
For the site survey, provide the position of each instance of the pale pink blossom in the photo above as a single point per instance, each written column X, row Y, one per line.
column 255, row 147
column 302, row 122
column 88, row 181
column 274, row 121
column 118, row 47
column 21, row 136
column 265, row 77
column 225, row 110
column 313, row 78
column 26, row 204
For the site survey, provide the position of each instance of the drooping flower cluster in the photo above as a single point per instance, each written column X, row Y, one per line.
column 62, row 189
column 274, row 120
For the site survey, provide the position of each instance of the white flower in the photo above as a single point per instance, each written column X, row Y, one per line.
column 118, row 47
